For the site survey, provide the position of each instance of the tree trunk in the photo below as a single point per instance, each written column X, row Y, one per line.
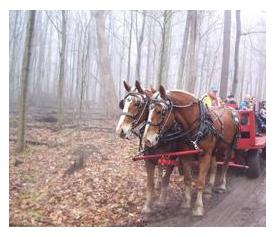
column 25, row 79
column 72, row 69
column 244, row 65
column 129, row 47
column 13, row 60
column 214, row 62
column 149, row 50
column 41, row 64
column 180, row 74
column 165, row 49
column 122, row 56
column 192, row 70
column 201, row 82
column 237, row 48
column 139, row 50
column 154, row 58
column 49, row 58
column 78, row 71
column 110, row 98
column 61, row 72
column 226, row 54
column 85, row 60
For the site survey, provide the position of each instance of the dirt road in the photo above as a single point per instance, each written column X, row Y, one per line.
column 243, row 205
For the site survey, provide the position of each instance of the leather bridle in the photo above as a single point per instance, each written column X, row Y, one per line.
column 142, row 105
column 167, row 109
column 166, row 105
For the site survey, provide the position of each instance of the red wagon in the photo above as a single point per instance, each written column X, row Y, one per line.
column 251, row 148
column 248, row 152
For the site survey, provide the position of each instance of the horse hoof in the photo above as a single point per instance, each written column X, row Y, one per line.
column 185, row 205
column 220, row 190
column 146, row 210
column 198, row 211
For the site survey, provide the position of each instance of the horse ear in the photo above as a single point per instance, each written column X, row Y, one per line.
column 138, row 87
column 162, row 91
column 127, row 86
column 152, row 89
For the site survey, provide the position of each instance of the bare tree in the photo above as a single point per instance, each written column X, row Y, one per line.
column 12, row 67
column 41, row 61
column 129, row 47
column 165, row 49
column 61, row 72
column 149, row 52
column 85, row 60
column 226, row 54
column 25, row 79
column 139, row 49
column 105, row 65
column 237, row 49
column 193, row 55
column 180, row 75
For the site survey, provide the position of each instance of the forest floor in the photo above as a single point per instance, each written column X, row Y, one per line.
column 86, row 177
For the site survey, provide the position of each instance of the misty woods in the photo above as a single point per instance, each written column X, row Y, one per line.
column 70, row 65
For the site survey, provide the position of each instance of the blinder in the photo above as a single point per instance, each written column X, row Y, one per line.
column 167, row 107
column 122, row 104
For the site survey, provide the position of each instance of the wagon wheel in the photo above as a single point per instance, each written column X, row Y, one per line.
column 254, row 163
column 264, row 152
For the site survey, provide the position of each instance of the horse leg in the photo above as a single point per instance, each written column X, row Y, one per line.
column 212, row 178
column 204, row 165
column 150, row 187
column 164, row 186
column 187, row 184
column 159, row 177
column 222, row 180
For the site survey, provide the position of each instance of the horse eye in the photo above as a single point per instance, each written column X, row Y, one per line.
column 128, row 99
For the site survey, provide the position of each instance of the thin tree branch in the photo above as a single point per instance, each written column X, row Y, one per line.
column 253, row 32
column 53, row 23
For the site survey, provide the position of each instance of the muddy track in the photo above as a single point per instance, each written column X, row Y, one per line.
column 244, row 204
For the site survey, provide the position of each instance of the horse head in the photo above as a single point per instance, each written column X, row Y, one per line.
column 135, row 109
column 160, row 117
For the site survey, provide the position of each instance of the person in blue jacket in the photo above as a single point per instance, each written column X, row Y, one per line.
column 245, row 103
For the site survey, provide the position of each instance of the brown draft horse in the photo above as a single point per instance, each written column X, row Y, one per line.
column 213, row 131
column 132, row 120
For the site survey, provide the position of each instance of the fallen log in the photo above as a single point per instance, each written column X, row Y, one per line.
column 31, row 142
column 39, row 143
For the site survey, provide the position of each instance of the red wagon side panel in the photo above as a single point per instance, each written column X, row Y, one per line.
column 248, row 129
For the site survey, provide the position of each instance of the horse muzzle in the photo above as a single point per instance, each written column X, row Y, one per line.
column 150, row 142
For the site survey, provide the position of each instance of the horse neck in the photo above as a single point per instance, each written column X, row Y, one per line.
column 186, row 116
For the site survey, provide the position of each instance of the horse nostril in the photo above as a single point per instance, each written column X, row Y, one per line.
column 148, row 143
column 122, row 134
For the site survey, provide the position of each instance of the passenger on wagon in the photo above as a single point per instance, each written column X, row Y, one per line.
column 211, row 98
column 231, row 102
column 261, row 118
column 245, row 103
